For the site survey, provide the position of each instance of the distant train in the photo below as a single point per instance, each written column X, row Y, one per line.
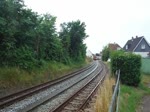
column 96, row 56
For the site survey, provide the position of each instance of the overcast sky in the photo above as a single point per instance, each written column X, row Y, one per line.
column 107, row 21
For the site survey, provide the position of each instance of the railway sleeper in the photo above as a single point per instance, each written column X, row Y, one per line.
column 86, row 92
column 80, row 99
column 90, row 87
column 75, row 103
column 70, row 108
column 82, row 95
column 86, row 110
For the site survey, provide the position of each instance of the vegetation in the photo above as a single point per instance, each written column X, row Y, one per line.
column 105, row 53
column 28, row 39
column 13, row 77
column 129, row 65
column 104, row 96
column 130, row 97
column 29, row 42
column 72, row 36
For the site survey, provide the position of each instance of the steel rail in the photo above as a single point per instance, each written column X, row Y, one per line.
column 8, row 100
column 32, row 107
column 66, row 102
column 92, row 93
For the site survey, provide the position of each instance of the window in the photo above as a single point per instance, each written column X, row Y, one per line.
column 143, row 46
column 126, row 46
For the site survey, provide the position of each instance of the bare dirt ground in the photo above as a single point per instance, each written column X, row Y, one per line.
column 145, row 104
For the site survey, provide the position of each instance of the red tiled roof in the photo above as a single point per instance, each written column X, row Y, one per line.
column 114, row 46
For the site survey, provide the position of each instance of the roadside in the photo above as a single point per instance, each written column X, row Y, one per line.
column 145, row 102
column 135, row 99
column 145, row 105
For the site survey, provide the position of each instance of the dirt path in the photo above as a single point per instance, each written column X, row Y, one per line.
column 145, row 105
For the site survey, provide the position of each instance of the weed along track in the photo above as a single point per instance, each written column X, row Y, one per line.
column 16, row 101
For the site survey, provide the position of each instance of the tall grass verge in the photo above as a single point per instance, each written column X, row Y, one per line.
column 104, row 96
column 14, row 77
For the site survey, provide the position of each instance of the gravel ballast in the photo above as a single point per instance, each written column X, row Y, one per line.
column 35, row 99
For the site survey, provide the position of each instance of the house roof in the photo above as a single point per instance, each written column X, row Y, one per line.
column 132, row 44
column 113, row 46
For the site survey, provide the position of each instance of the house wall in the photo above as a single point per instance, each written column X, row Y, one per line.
column 143, row 54
column 147, row 47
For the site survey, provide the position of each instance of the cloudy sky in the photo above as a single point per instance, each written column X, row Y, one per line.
column 107, row 21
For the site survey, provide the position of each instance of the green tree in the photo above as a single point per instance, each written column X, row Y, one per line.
column 24, row 32
column 72, row 36
column 65, row 40
column 10, row 9
column 27, row 39
column 105, row 53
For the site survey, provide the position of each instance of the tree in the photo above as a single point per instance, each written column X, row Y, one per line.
column 10, row 9
column 27, row 39
column 65, row 40
column 105, row 53
column 24, row 32
column 72, row 36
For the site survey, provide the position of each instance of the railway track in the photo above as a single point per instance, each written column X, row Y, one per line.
column 78, row 101
column 8, row 100
column 59, row 98
column 23, row 95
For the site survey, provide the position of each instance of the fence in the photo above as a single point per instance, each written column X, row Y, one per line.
column 115, row 98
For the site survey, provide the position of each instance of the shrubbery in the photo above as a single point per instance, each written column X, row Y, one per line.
column 129, row 65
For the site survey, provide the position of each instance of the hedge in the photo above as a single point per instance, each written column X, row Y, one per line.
column 129, row 65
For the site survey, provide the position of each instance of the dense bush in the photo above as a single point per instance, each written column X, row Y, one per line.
column 129, row 65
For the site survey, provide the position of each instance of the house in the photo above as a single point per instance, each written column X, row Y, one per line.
column 138, row 45
column 114, row 46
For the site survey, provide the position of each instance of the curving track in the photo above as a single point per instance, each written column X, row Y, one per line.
column 15, row 98
column 79, row 100
column 7, row 100
column 52, row 92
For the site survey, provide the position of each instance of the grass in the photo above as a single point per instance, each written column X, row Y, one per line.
column 104, row 96
column 130, row 97
column 15, row 77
